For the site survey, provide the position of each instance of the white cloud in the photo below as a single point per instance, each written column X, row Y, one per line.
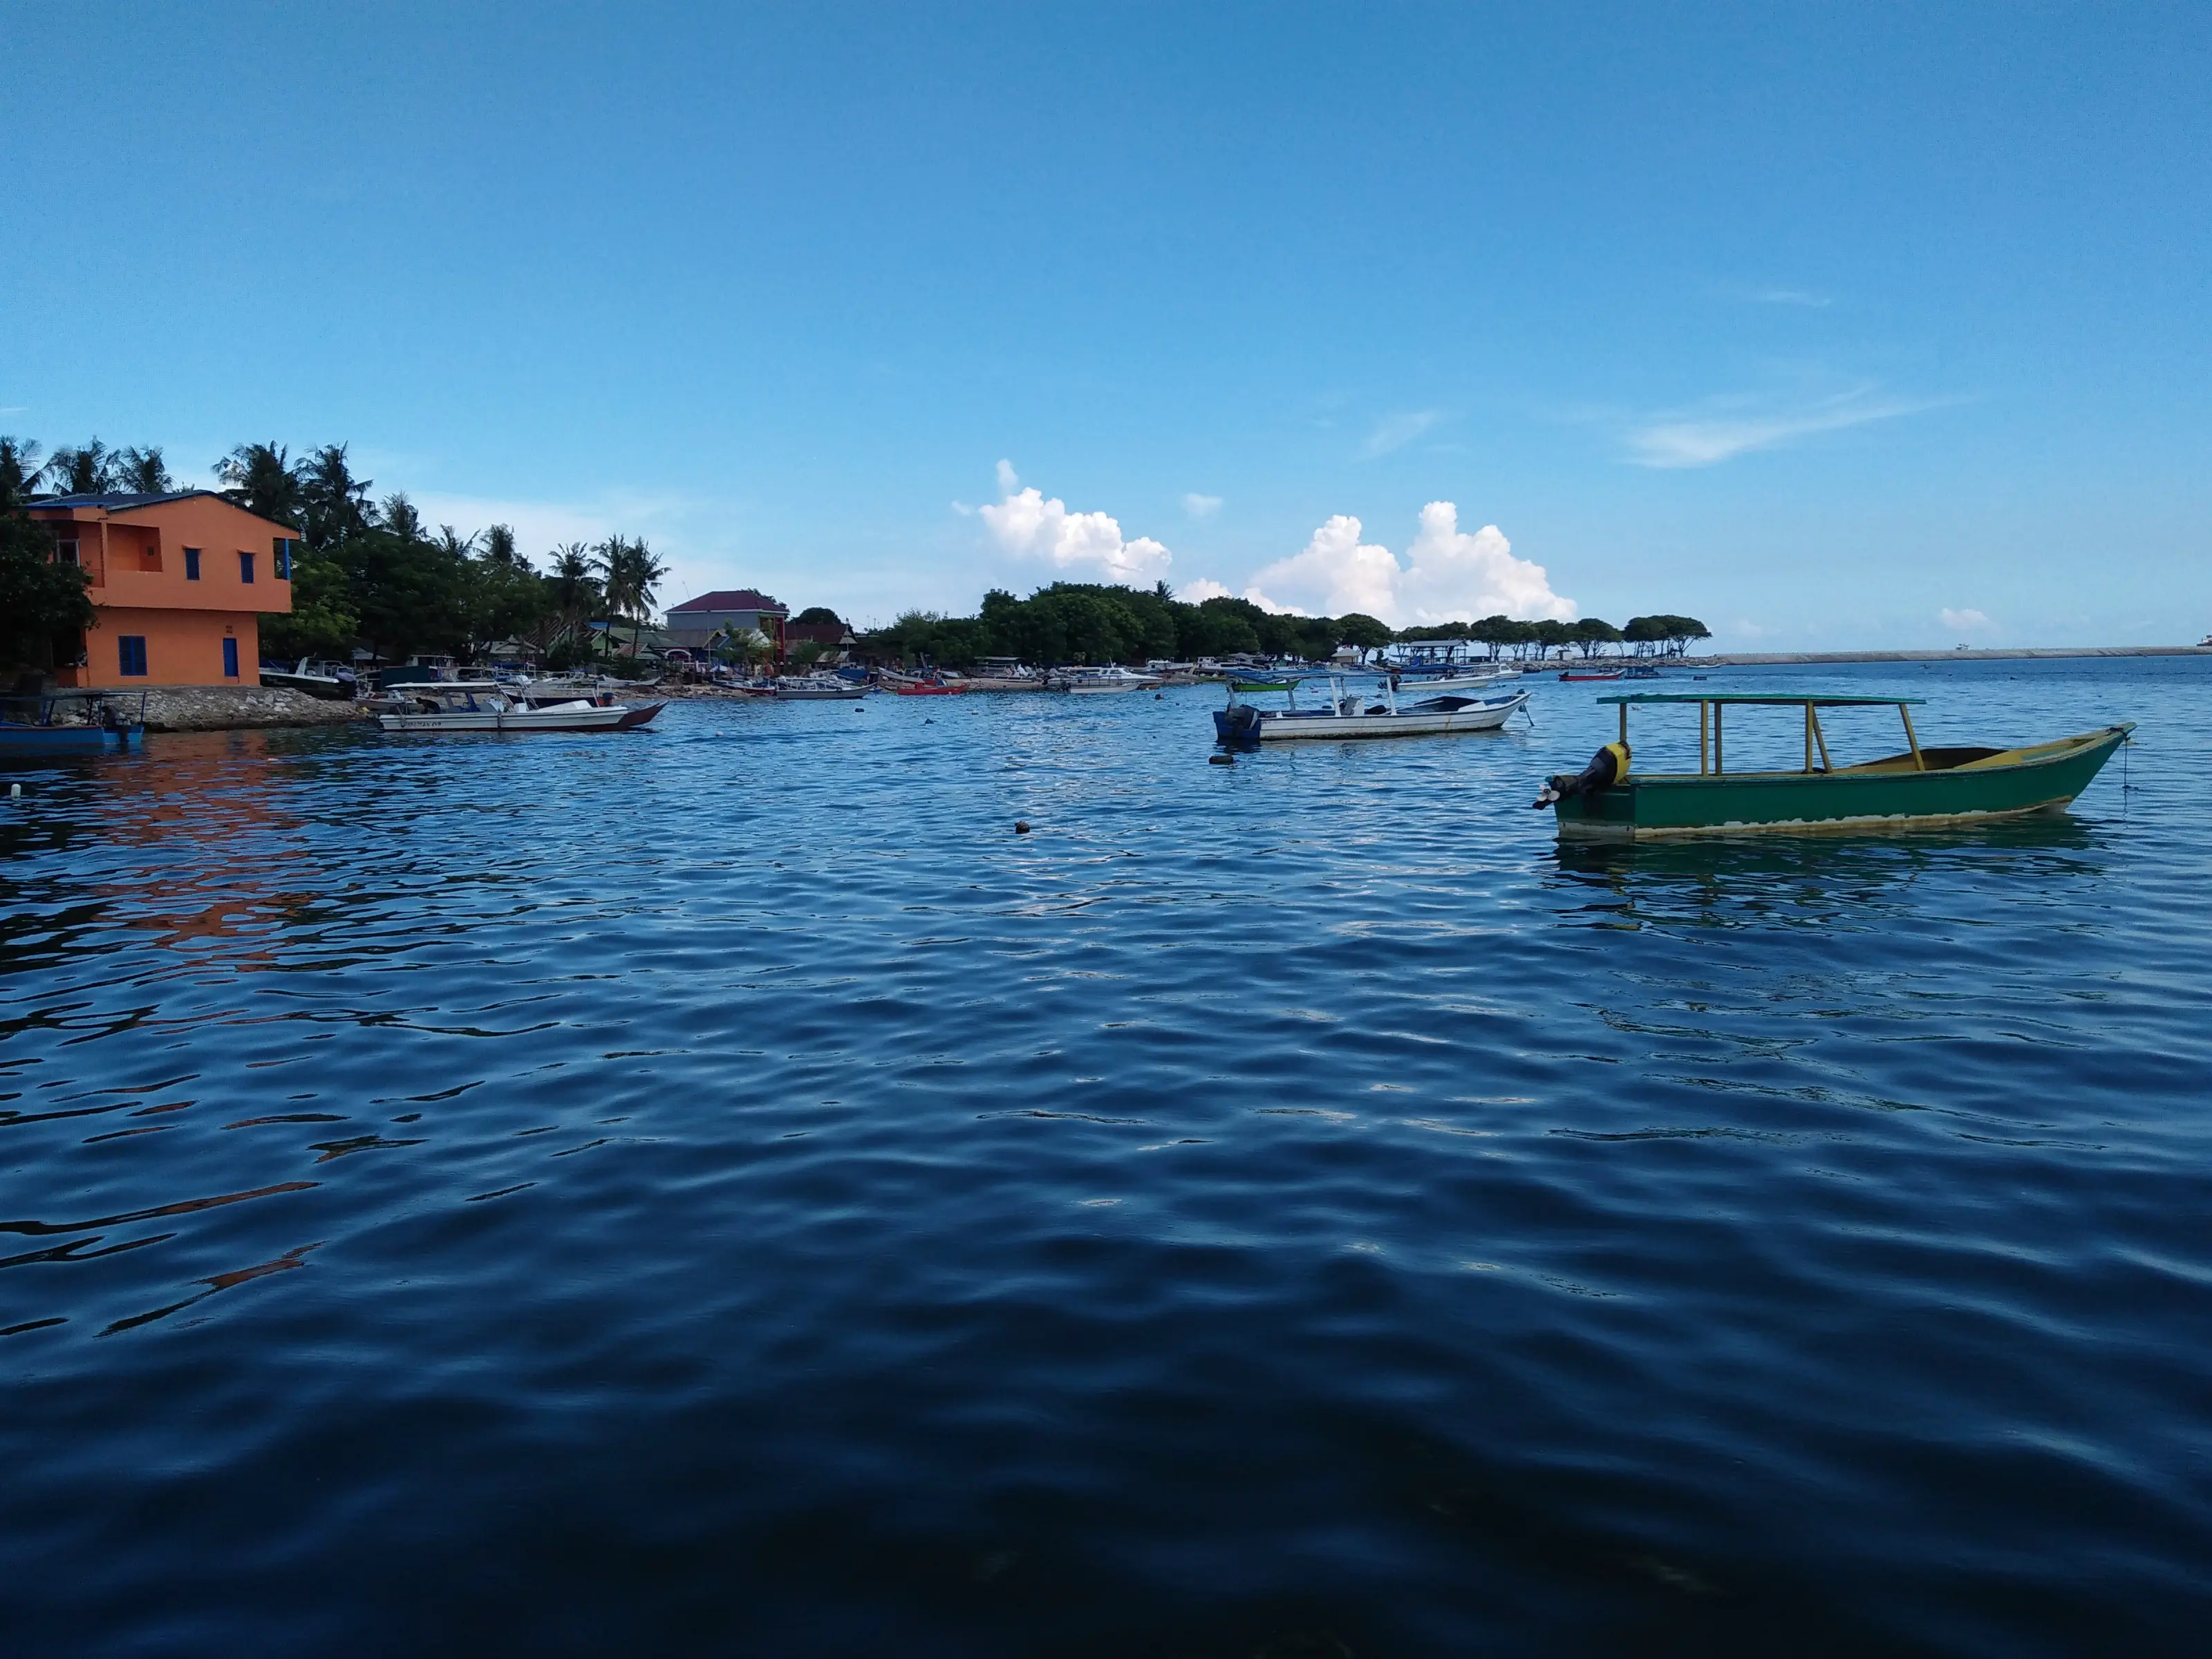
column 1449, row 575
column 1201, row 507
column 1028, row 524
column 1199, row 592
column 1396, row 431
column 1965, row 621
column 1721, row 428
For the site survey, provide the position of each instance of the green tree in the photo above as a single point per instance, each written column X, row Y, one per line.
column 141, row 472
column 86, row 470
column 260, row 479
column 322, row 621
column 333, row 504
column 1592, row 633
column 818, row 615
column 1551, row 635
column 43, row 602
column 1365, row 632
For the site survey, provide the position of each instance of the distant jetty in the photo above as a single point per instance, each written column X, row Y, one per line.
column 1763, row 659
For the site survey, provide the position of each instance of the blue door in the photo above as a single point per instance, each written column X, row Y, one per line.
column 230, row 659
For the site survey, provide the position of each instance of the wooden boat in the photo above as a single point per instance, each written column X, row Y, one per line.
column 1916, row 788
column 1239, row 684
column 476, row 708
column 1347, row 713
column 1435, row 683
column 40, row 723
column 1593, row 673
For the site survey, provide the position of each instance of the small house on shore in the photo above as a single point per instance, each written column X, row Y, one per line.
column 178, row 583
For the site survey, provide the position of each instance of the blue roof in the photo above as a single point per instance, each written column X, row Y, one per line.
column 111, row 502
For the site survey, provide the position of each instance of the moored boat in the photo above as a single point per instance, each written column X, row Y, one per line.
column 331, row 681
column 1346, row 712
column 1094, row 682
column 1920, row 787
column 818, row 688
column 66, row 722
column 1593, row 674
column 455, row 707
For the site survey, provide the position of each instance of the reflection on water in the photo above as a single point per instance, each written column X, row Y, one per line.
column 721, row 1189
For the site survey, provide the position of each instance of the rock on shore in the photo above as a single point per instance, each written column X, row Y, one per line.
column 231, row 708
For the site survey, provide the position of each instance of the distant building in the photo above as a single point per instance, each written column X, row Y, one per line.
column 727, row 611
column 835, row 638
column 177, row 583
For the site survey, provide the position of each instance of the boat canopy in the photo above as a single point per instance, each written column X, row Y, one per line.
column 1712, row 705
column 1817, row 702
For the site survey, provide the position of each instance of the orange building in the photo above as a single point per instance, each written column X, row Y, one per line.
column 179, row 582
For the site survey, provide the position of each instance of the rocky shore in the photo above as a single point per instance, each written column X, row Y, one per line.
column 239, row 708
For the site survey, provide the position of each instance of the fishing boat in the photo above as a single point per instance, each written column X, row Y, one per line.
column 1915, row 788
column 1094, row 682
column 818, row 688
column 41, row 723
column 1247, row 682
column 933, row 682
column 1593, row 673
column 1347, row 712
column 455, row 707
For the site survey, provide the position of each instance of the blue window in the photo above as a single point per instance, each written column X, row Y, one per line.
column 191, row 564
column 246, row 568
column 131, row 647
column 284, row 546
column 230, row 659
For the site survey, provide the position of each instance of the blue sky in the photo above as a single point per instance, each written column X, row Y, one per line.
column 1868, row 325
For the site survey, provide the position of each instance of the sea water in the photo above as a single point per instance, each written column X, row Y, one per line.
column 720, row 1189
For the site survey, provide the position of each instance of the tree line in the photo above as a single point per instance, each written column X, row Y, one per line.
column 1093, row 623
column 367, row 571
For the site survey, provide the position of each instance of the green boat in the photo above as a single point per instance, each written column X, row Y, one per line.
column 1915, row 789
column 1235, row 684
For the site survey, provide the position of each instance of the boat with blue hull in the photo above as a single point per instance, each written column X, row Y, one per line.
column 71, row 722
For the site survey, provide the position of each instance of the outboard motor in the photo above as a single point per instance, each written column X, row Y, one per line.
column 1607, row 767
column 1239, row 723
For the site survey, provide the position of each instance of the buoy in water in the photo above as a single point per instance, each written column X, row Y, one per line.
column 1221, row 760
column 1021, row 828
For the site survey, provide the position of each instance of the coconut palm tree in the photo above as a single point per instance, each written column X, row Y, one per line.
column 333, row 503
column 628, row 576
column 141, row 472
column 261, row 478
column 86, row 470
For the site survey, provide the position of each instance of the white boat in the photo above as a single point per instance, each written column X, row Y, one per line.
column 331, row 681
column 1093, row 682
column 1435, row 684
column 818, row 688
column 455, row 707
column 1349, row 712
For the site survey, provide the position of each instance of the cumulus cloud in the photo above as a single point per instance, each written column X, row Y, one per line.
column 1965, row 621
column 1028, row 524
column 1449, row 574
column 1201, row 507
column 1396, row 431
column 1199, row 592
column 1724, row 427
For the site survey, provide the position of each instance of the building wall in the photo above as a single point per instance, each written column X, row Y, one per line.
column 183, row 647
column 135, row 558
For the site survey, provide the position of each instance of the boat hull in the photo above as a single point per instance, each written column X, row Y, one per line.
column 35, row 741
column 1322, row 727
column 1880, row 798
column 620, row 717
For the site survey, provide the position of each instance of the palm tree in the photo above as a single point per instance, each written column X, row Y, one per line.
column 334, row 503
column 262, row 479
column 499, row 548
column 400, row 518
column 451, row 542
column 630, row 574
column 87, row 470
column 141, row 472
column 20, row 468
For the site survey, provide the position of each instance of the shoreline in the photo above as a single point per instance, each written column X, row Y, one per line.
column 1979, row 653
